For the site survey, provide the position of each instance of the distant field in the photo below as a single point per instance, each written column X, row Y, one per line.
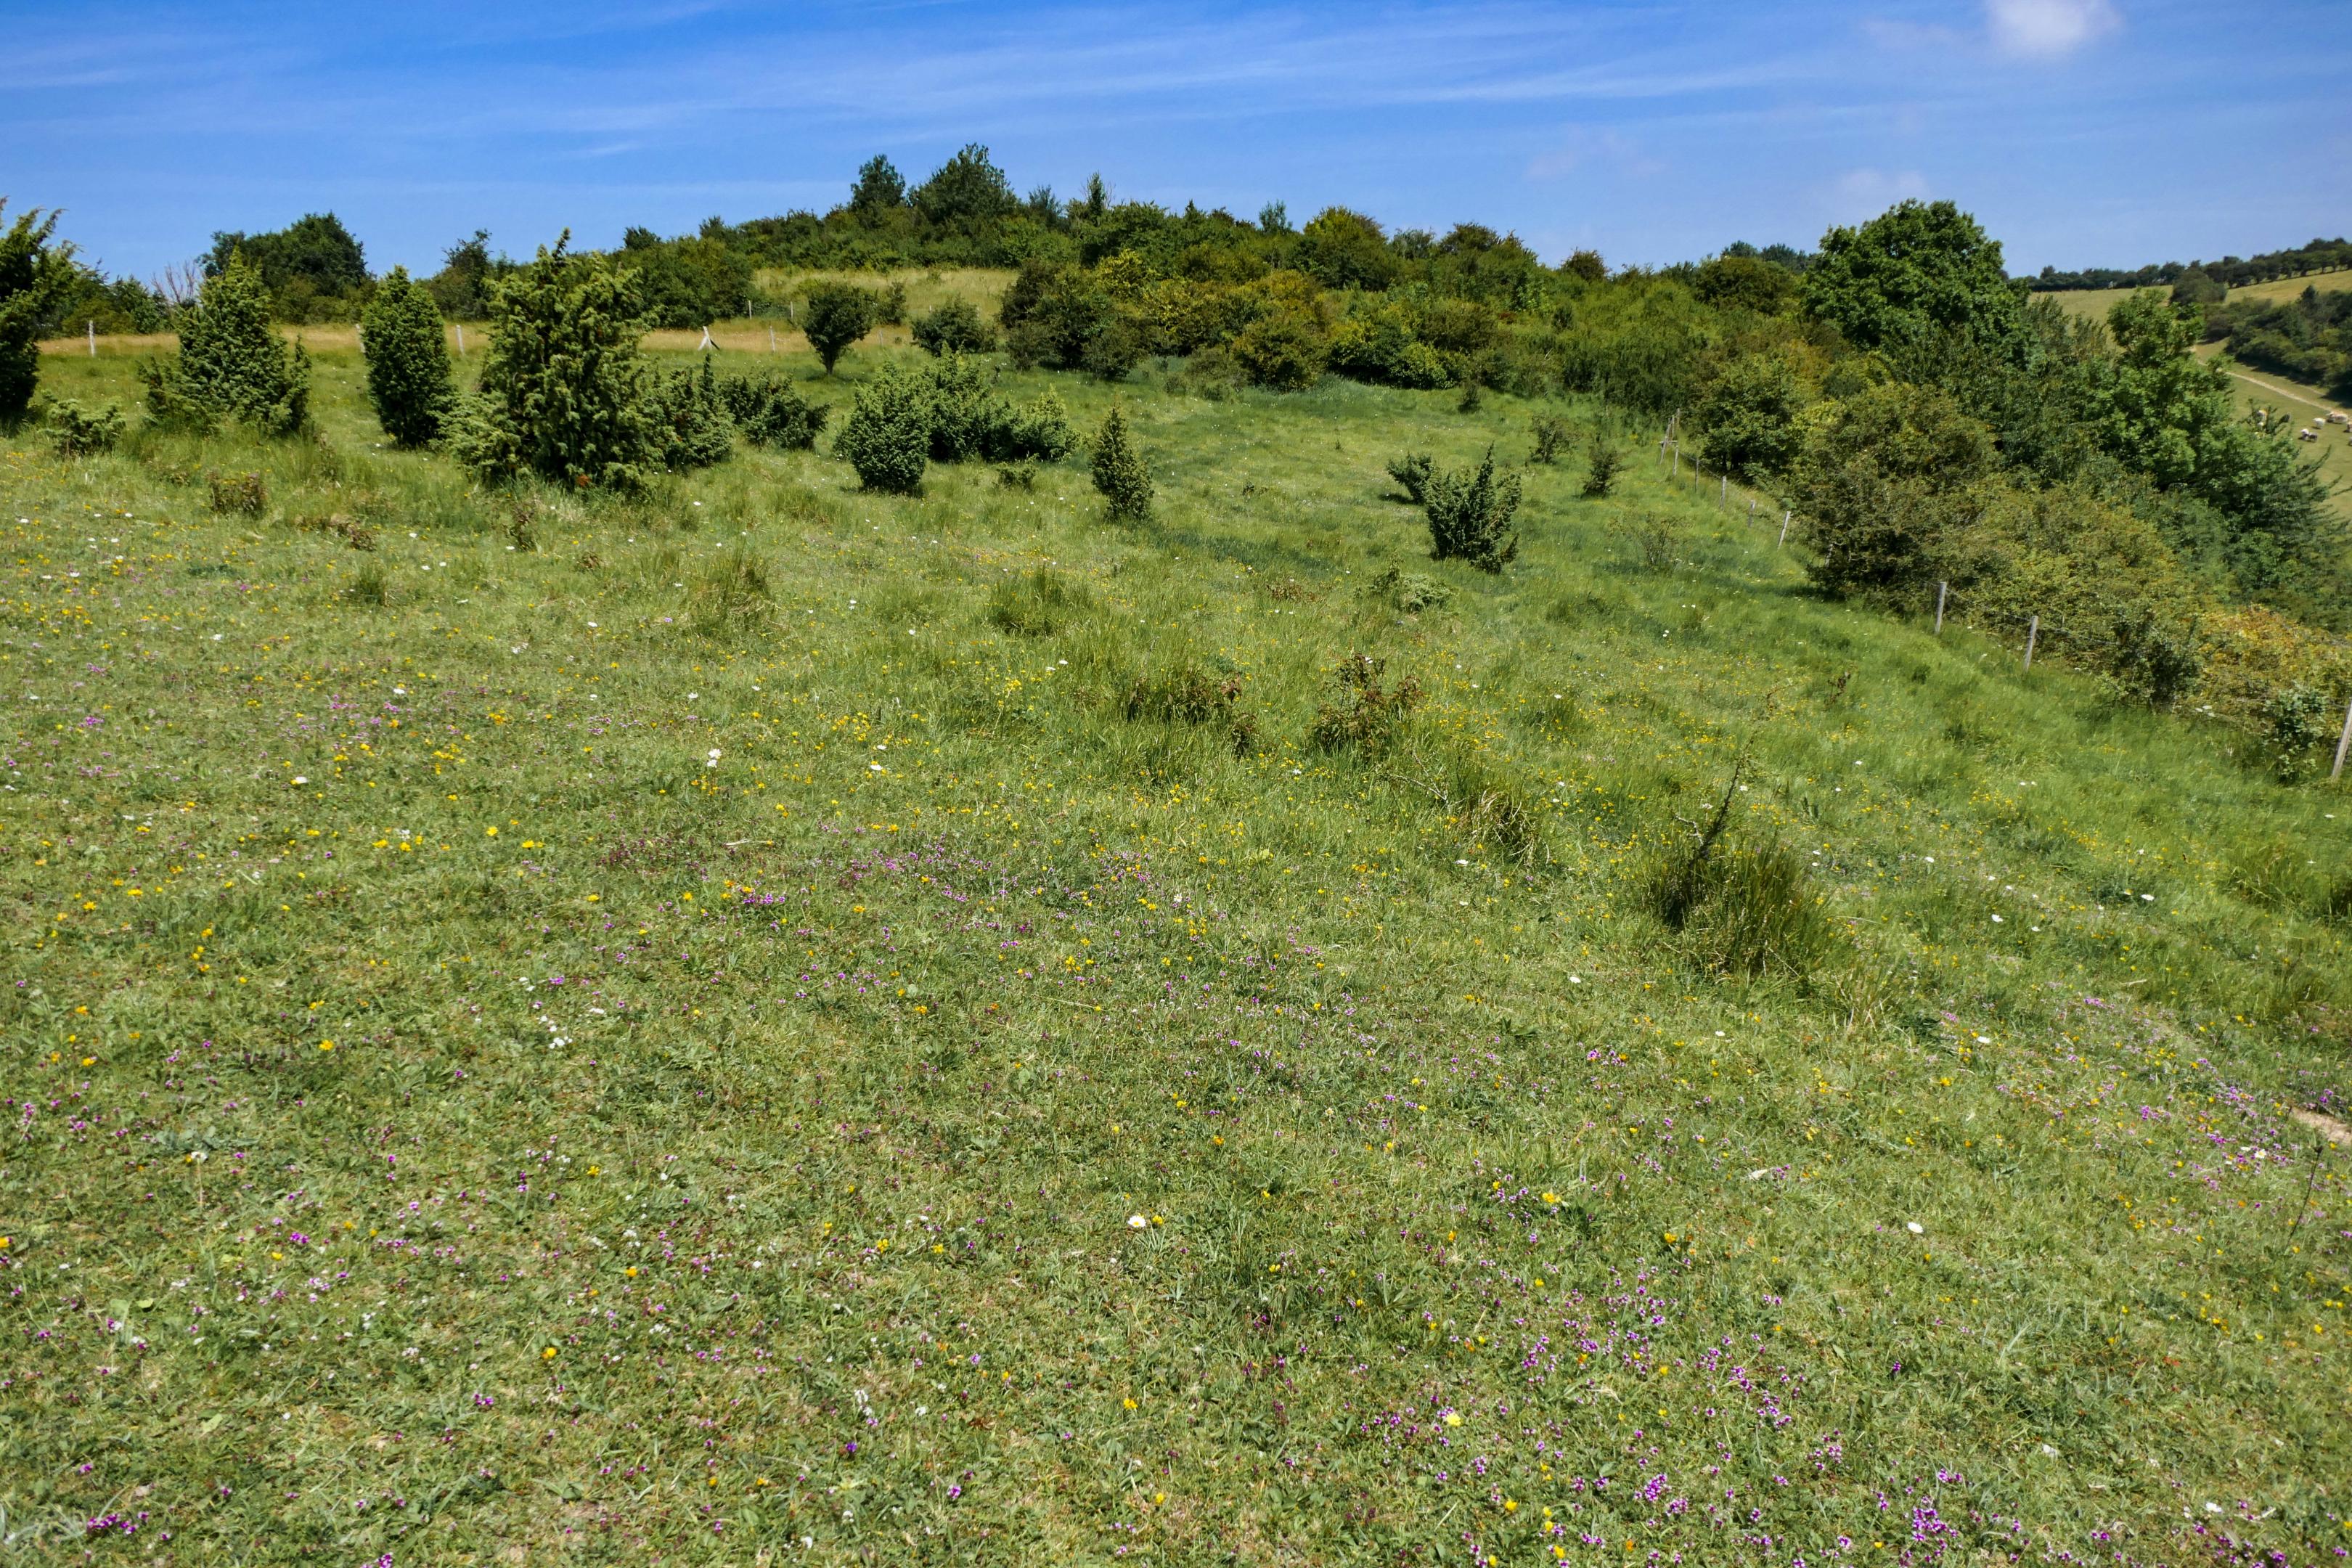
column 926, row 287
column 2098, row 301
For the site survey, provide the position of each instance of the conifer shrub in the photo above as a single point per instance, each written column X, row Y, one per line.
column 954, row 327
column 1550, row 434
column 836, row 316
column 771, row 412
column 564, row 394
column 34, row 276
column 1470, row 516
column 1119, row 469
column 691, row 425
column 971, row 422
column 408, row 376
column 232, row 363
column 1603, row 461
column 78, row 432
column 1411, row 474
column 1364, row 716
column 888, row 435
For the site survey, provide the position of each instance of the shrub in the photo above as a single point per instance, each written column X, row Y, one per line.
column 1603, row 461
column 888, row 435
column 1409, row 592
column 1186, row 694
column 1470, row 516
column 691, row 425
column 1657, row 543
column 2145, row 663
column 1378, row 344
column 1367, row 717
column 563, row 392
column 244, row 493
column 1749, row 412
column 837, row 316
column 232, row 363
column 1035, row 605
column 1491, row 810
column 954, row 327
column 34, row 276
column 1113, row 348
column 76, row 432
column 771, row 412
column 1412, row 473
column 1882, row 484
column 2295, row 727
column 1120, row 471
column 408, row 377
column 1749, row 910
column 1284, row 351
column 1550, row 435
column 971, row 423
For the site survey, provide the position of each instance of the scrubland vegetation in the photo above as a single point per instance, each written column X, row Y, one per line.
column 1216, row 912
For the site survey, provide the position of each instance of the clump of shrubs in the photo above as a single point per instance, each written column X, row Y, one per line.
column 1186, row 694
column 78, row 432
column 836, row 316
column 1603, row 461
column 971, row 423
column 954, row 328
column 1550, row 433
column 771, row 412
column 1470, row 516
column 1119, row 469
column 1365, row 717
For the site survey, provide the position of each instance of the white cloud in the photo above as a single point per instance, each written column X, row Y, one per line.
column 2045, row 29
column 1582, row 147
column 1865, row 192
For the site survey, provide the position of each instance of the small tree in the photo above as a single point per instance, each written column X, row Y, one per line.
column 770, row 411
column 1119, row 473
column 1470, row 516
column 691, row 421
column 837, row 316
column 34, row 276
column 1551, row 436
column 563, row 392
column 954, row 328
column 1603, row 460
column 887, row 437
column 408, row 375
column 232, row 363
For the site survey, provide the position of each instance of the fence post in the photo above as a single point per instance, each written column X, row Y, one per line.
column 93, row 340
column 461, row 339
column 2032, row 631
column 2343, row 744
column 1723, row 495
column 1784, row 530
column 1941, row 589
column 771, row 340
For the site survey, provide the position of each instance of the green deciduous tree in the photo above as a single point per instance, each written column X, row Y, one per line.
column 564, row 391
column 232, row 362
column 1344, row 250
column 837, row 315
column 1916, row 273
column 408, row 378
column 1748, row 415
column 1882, row 485
column 34, row 275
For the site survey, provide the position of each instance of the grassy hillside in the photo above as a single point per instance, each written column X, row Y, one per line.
column 2099, row 301
column 765, row 1023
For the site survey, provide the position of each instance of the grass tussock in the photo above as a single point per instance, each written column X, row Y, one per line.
column 1038, row 603
column 1744, row 908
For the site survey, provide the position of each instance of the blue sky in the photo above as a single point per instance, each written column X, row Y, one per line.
column 2080, row 131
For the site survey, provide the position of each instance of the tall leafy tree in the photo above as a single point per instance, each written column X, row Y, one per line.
column 408, row 378
column 837, row 316
column 880, row 189
column 34, row 274
column 1344, row 250
column 564, row 392
column 232, row 362
column 965, row 191
column 1916, row 275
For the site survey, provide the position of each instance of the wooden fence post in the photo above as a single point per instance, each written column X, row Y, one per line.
column 461, row 339
column 93, row 340
column 2033, row 632
column 1784, row 530
column 1941, row 589
column 771, row 340
column 1723, row 495
column 2343, row 744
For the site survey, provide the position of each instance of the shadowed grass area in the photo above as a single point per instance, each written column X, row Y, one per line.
column 763, row 1021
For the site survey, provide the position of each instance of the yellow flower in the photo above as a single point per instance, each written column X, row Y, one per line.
column 326, row 1045
column 490, row 832
column 1452, row 1419
column 547, row 1354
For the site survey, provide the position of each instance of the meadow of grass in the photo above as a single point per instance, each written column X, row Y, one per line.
column 761, row 1022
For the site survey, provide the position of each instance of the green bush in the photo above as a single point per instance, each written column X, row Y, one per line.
column 1412, row 473
column 1378, row 343
column 888, row 435
column 564, row 394
column 954, row 328
column 691, row 425
column 1883, row 483
column 408, row 375
column 1470, row 516
column 1748, row 415
column 969, row 423
column 1409, row 592
column 1120, row 471
column 34, row 276
column 1284, row 351
column 836, row 316
column 2296, row 729
column 247, row 494
column 232, row 363
column 1603, row 461
column 1187, row 694
column 771, row 412
column 76, row 432
column 1550, row 434
column 1037, row 605
column 1368, row 718
column 2146, row 663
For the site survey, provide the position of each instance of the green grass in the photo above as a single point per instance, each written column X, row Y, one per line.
column 768, row 958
